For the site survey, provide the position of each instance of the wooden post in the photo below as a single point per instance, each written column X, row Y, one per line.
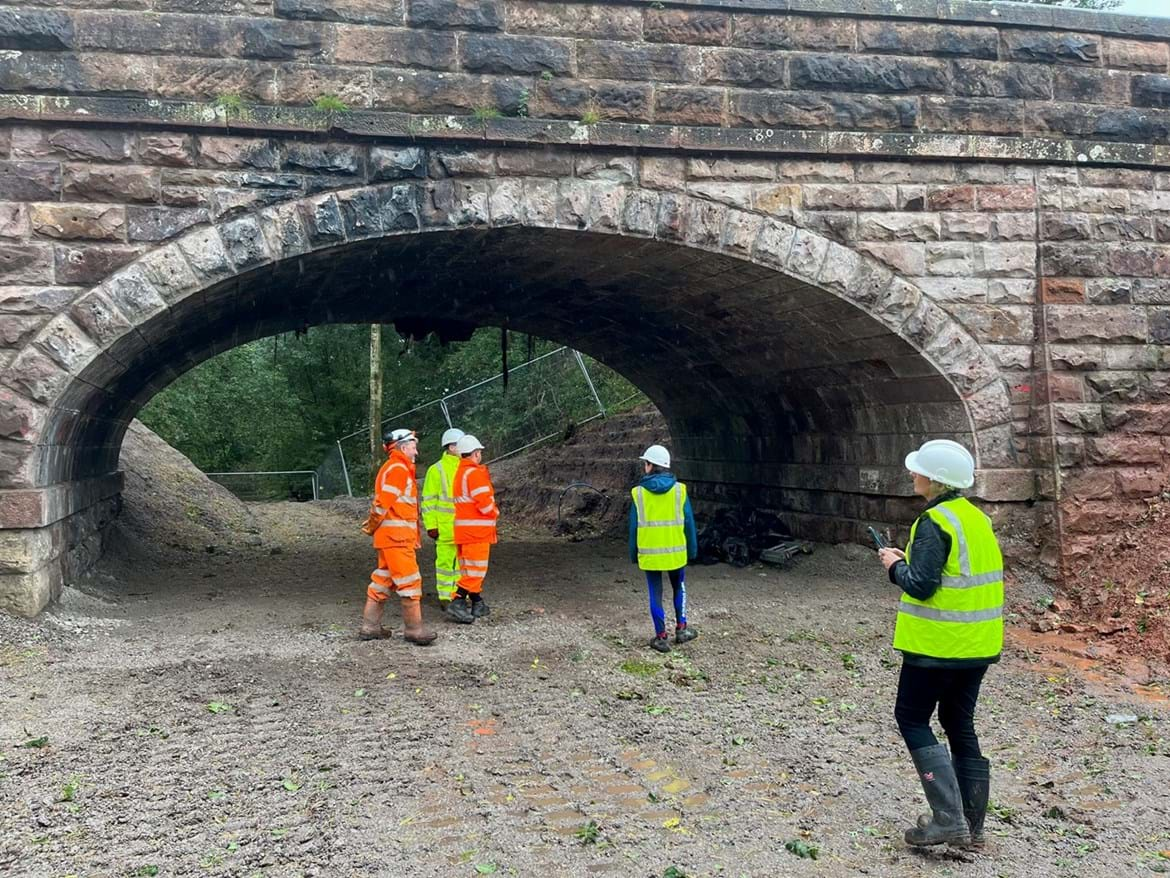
column 375, row 397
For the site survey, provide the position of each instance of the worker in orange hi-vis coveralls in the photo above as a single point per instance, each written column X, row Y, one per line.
column 393, row 523
column 475, row 530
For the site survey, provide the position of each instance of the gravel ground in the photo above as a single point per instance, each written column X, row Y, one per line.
column 217, row 716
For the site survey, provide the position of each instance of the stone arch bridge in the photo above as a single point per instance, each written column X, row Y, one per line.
column 813, row 235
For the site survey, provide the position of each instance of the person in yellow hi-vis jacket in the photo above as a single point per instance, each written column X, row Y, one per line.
column 438, row 509
column 662, row 540
column 949, row 630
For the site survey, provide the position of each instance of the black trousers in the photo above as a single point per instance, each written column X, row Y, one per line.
column 954, row 692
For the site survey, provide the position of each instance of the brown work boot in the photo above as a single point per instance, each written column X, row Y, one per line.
column 415, row 631
column 372, row 621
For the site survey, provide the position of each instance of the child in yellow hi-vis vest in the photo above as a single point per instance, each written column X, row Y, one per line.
column 662, row 540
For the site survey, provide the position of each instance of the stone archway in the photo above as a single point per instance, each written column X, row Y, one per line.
column 809, row 366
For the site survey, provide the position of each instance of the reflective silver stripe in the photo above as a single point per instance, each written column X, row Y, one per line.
column 486, row 510
column 475, row 522
column 467, row 562
column 463, row 495
column 409, row 500
column 936, row 615
column 973, row 580
column 669, row 550
column 640, row 504
column 964, row 557
column 397, row 465
column 407, row 580
column 386, row 486
column 381, row 572
column 397, row 522
column 379, row 510
column 481, row 490
column 411, row 592
column 379, row 588
column 474, row 574
column 436, row 506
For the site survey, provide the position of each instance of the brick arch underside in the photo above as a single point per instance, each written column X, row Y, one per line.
column 777, row 392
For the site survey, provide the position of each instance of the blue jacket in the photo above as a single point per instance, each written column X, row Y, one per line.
column 660, row 483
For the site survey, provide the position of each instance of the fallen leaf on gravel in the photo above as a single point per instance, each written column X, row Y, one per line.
column 219, row 707
column 485, row 868
column 36, row 743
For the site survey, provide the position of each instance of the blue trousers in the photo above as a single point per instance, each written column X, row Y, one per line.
column 654, row 587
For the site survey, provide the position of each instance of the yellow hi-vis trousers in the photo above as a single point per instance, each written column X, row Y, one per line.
column 446, row 570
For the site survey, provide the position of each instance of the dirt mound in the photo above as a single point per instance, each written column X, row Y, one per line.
column 601, row 457
column 1125, row 595
column 170, row 504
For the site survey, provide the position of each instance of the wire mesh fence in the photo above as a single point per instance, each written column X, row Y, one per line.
column 544, row 398
column 297, row 484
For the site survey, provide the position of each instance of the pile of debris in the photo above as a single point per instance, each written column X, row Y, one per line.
column 740, row 536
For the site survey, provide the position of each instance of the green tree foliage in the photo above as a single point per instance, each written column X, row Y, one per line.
column 282, row 402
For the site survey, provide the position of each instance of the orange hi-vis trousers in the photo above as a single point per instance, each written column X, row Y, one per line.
column 397, row 572
column 473, row 565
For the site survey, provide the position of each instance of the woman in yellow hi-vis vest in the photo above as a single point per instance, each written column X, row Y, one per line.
column 949, row 630
column 662, row 540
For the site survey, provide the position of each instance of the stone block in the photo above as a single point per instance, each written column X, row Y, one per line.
column 133, row 294
column 170, row 150
column 26, row 263
column 64, row 342
column 71, row 143
column 1002, row 259
column 981, row 79
column 856, row 197
column 944, row 40
column 660, row 172
column 801, row 170
column 14, row 220
column 600, row 21
column 773, row 31
column 356, row 11
column 328, row 158
column 1134, row 483
column 1072, row 323
column 1050, row 47
column 874, row 75
column 547, row 162
column 238, row 152
column 1125, row 450
column 492, row 53
column 906, row 259
column 396, row 163
column 805, row 109
column 456, row 162
column 1151, row 90
column 613, row 101
column 481, row 15
column 100, row 319
column 951, row 198
column 689, row 106
column 90, row 263
column 693, row 26
column 973, row 115
column 30, row 181
column 949, row 258
column 1006, row 485
column 745, row 68
column 113, row 183
column 1091, row 86
column 1137, row 55
column 432, row 50
column 34, row 375
column 1159, row 319
column 26, row 594
column 898, row 227
column 965, row 226
column 997, row 324
column 96, row 222
column 613, row 60
column 426, row 92
column 162, row 223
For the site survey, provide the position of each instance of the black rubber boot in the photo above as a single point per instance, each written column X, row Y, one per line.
column 479, row 608
column 683, row 635
column 946, row 824
column 458, row 611
column 974, row 777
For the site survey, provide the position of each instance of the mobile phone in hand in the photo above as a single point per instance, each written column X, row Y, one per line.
column 878, row 542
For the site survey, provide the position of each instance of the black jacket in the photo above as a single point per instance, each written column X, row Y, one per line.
column 922, row 577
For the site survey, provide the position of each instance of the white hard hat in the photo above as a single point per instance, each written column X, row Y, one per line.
column 467, row 444
column 454, row 434
column 943, row 461
column 657, row 455
column 396, row 436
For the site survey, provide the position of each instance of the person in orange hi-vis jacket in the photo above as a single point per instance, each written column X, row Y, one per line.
column 393, row 523
column 475, row 530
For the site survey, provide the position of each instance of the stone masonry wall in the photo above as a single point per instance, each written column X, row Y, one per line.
column 756, row 65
